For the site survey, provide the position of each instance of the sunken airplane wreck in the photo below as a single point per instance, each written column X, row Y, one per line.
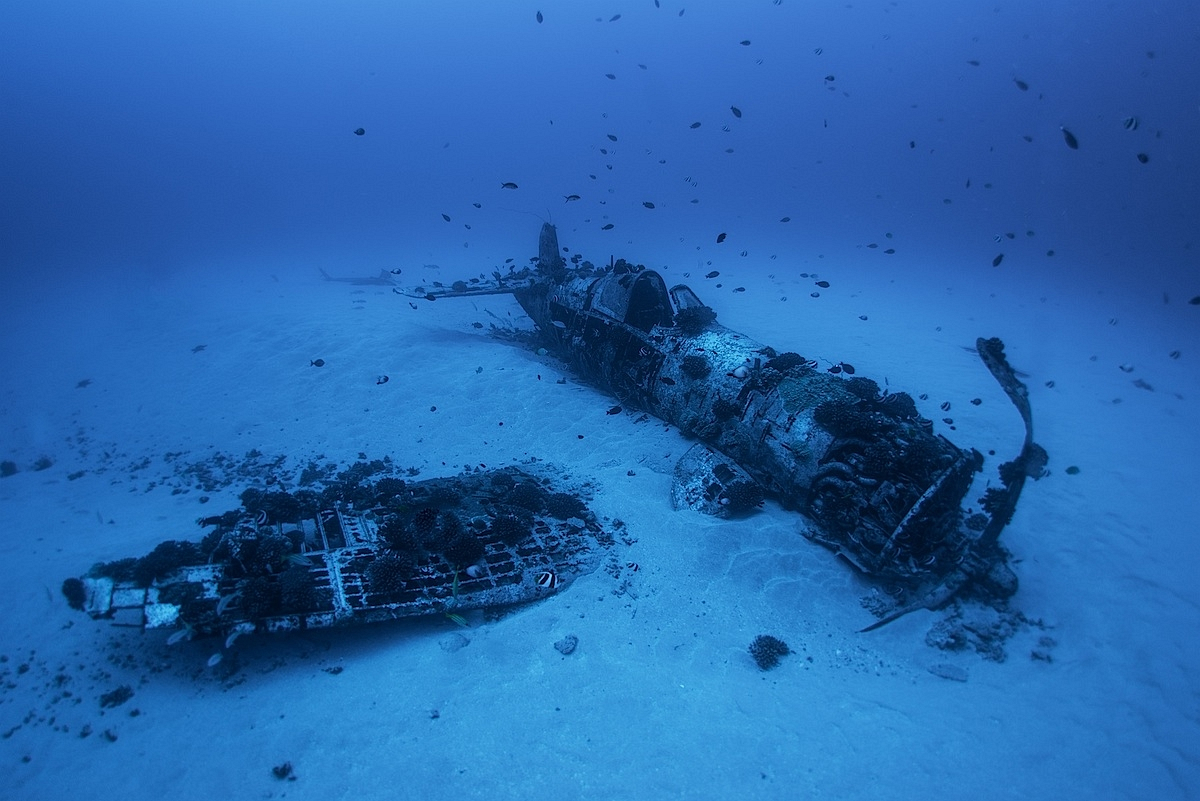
column 878, row 485
column 357, row 552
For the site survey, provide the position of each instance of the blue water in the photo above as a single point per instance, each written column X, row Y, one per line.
column 173, row 175
column 138, row 133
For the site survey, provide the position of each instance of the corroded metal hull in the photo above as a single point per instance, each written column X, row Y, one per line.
column 877, row 484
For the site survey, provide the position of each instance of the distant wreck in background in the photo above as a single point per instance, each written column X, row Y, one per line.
column 878, row 486
column 357, row 552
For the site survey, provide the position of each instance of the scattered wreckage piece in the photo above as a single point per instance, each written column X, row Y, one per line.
column 481, row 540
column 878, row 485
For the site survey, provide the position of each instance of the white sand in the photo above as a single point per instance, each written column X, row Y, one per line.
column 661, row 699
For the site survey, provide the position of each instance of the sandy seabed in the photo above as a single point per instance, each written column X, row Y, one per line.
column 661, row 699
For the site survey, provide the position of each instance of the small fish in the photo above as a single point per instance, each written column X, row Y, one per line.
column 1194, row 301
column 737, row 112
column 713, row 274
column 720, row 238
column 785, row 219
column 847, row 368
column 396, row 271
column 540, row 17
column 817, row 51
column 317, row 363
column 615, row 17
column 634, row 566
column 670, row 382
column 1024, row 87
column 84, row 383
column 261, row 518
column 694, row 125
column 744, row 43
column 823, row 284
column 383, row 379
column 608, row 227
column 1143, row 158
column 610, row 76
column 945, row 406
column 612, row 138
column 570, row 198
column 508, row 185
column 647, row 204
column 477, row 205
column 446, row 217
column 547, row 579
column 973, row 63
column 830, row 79
column 214, row 660
column 890, row 251
column 999, row 258
column 1069, row 138
column 1130, row 123
column 615, row 410
column 837, row 368
column 182, row 634
column 199, row 348
column 359, row 131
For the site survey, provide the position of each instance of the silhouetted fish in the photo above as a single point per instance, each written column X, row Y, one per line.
column 999, row 258
column 1024, row 87
column 648, row 204
column 694, row 125
column 720, row 238
column 606, row 227
column 737, row 112
column 539, row 17
column 1069, row 138
column 317, row 363
column 359, row 131
column 508, row 185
